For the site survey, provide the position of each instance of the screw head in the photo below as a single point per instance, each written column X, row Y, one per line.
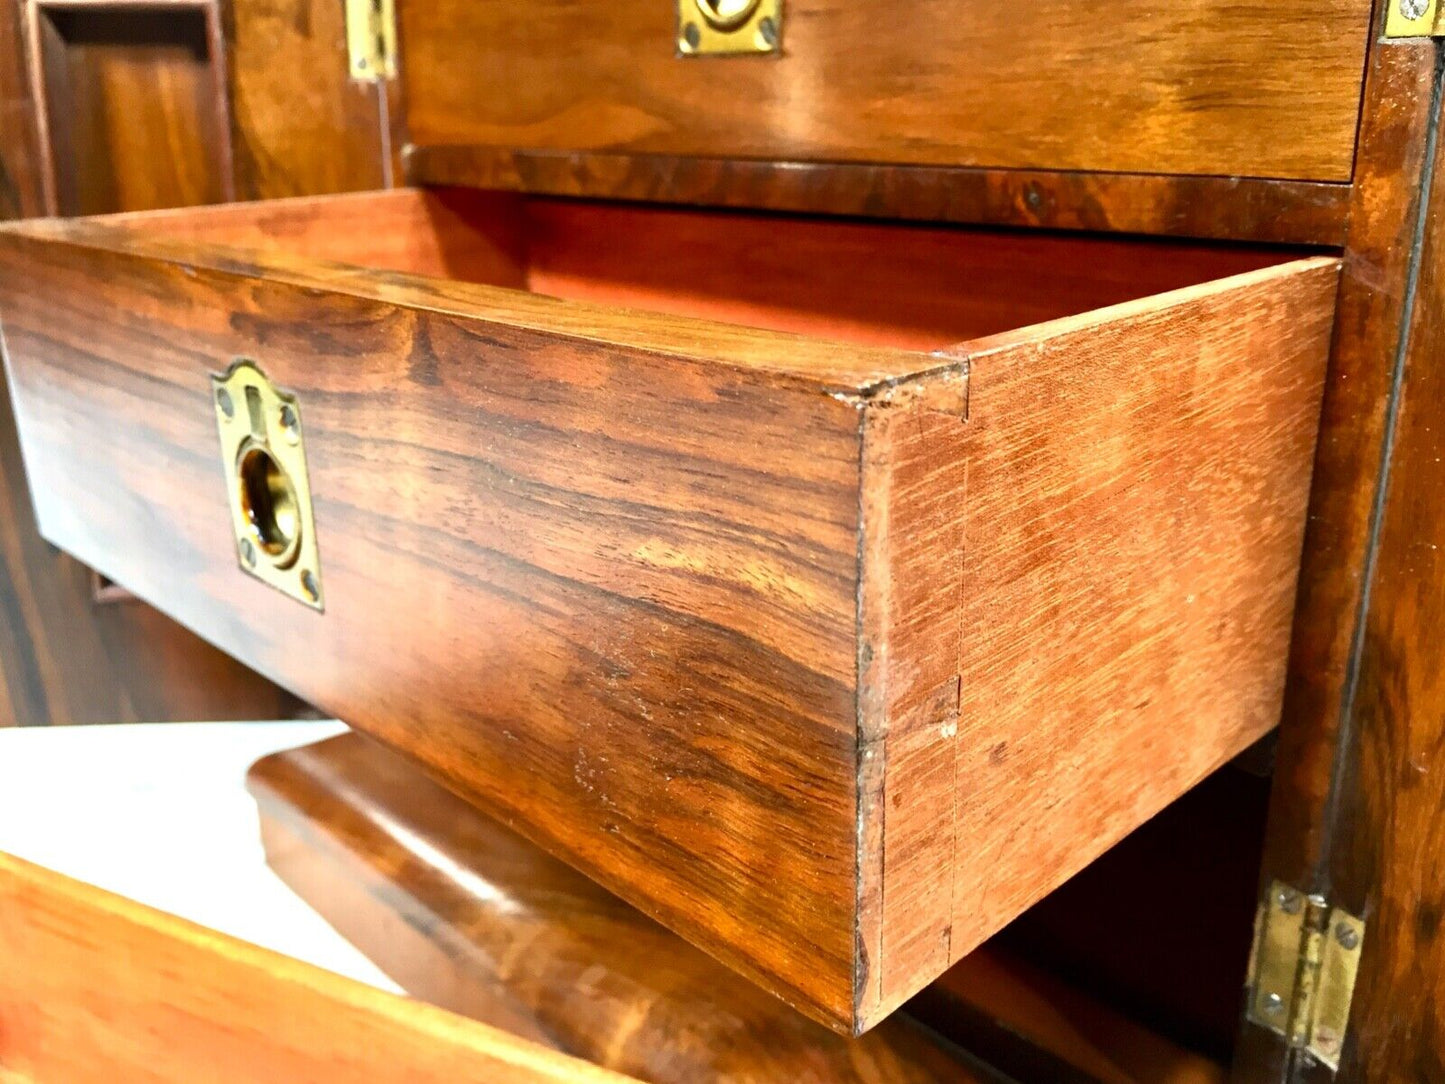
column 225, row 402
column 691, row 35
column 768, row 32
column 248, row 553
column 309, row 585
column 1289, row 901
column 1273, row 1004
column 290, row 424
column 1414, row 9
column 1347, row 936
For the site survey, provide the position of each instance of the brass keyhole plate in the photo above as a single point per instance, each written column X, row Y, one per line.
column 729, row 27
column 263, row 452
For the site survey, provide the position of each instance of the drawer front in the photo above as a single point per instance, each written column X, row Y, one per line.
column 830, row 657
column 1228, row 88
column 441, row 897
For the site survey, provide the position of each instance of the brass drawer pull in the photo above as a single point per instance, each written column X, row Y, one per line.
column 729, row 27
column 264, row 458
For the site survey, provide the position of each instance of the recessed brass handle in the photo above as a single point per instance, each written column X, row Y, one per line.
column 729, row 27
column 263, row 454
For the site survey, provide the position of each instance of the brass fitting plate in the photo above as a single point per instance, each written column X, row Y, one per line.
column 268, row 490
column 1413, row 19
column 729, row 27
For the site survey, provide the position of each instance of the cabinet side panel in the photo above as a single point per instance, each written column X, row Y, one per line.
column 607, row 595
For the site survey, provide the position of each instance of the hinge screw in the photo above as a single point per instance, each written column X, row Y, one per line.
column 1273, row 1004
column 1348, row 938
column 1413, row 9
column 1289, row 901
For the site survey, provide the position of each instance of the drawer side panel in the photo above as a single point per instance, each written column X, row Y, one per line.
column 1116, row 590
column 607, row 596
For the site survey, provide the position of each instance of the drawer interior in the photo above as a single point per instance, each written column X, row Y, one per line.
column 879, row 284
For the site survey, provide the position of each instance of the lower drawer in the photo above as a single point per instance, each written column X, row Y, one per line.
column 831, row 591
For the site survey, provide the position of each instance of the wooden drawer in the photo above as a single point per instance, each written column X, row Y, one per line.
column 1230, row 88
column 831, row 591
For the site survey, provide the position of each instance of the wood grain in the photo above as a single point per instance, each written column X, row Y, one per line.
column 466, row 914
column 1399, row 110
column 22, row 191
column 301, row 125
column 699, row 587
column 1227, row 208
column 1232, row 88
column 1385, row 853
column 655, row 638
column 131, row 105
column 1099, row 620
column 878, row 284
column 97, row 987
column 65, row 661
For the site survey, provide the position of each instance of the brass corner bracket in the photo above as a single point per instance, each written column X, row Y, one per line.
column 268, row 489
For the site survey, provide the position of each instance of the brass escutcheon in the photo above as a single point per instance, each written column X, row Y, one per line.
column 269, row 493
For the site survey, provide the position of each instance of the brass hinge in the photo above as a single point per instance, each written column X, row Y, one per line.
column 1415, row 19
column 371, row 38
column 1302, row 971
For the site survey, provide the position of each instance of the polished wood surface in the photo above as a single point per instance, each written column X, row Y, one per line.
column 1226, row 208
column 689, row 580
column 63, row 659
column 1401, row 107
column 131, row 104
column 21, row 164
column 1236, row 88
column 466, row 914
column 98, row 987
column 1385, row 851
column 302, row 125
column 874, row 283
column 145, row 100
column 1074, row 631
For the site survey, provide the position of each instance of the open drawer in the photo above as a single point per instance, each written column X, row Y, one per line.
column 829, row 590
